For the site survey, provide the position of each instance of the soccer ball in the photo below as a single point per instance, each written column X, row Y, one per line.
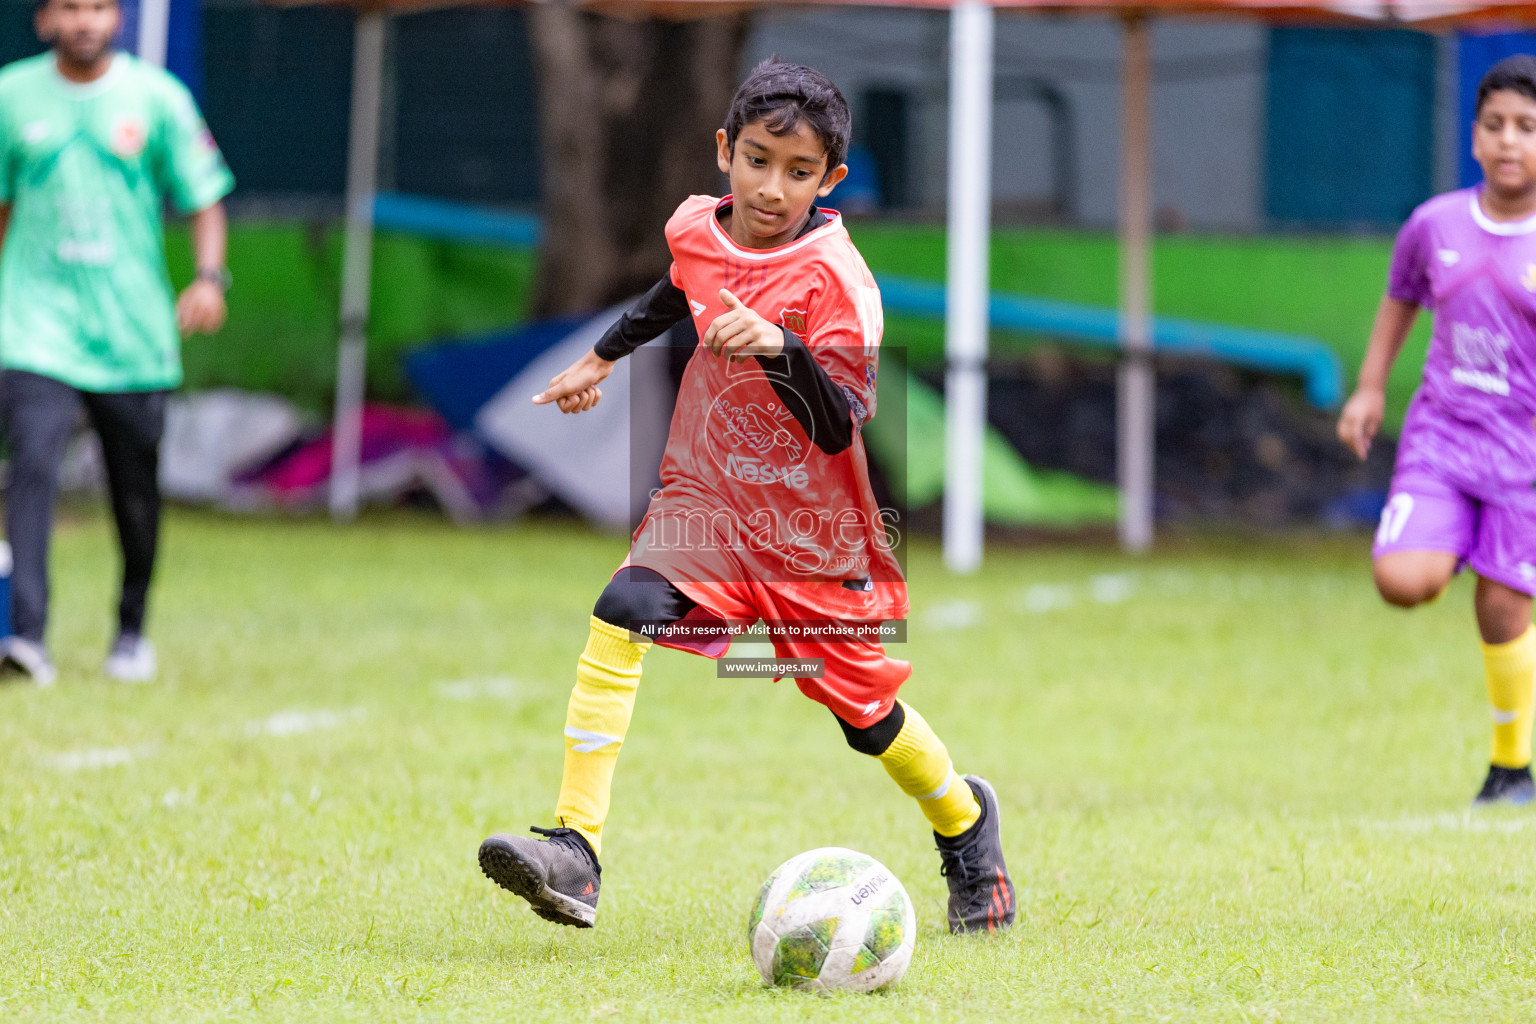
column 832, row 919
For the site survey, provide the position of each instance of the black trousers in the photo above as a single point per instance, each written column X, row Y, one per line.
column 40, row 414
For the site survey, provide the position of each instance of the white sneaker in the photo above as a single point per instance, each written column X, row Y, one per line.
column 132, row 659
column 29, row 658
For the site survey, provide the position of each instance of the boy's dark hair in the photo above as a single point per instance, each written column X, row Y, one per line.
column 782, row 95
column 38, row 5
column 1516, row 74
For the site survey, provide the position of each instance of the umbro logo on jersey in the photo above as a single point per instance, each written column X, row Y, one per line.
column 1450, row 257
column 697, row 307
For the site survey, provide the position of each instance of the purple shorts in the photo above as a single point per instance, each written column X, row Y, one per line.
column 1425, row 513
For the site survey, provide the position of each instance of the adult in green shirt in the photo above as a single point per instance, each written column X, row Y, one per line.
column 92, row 145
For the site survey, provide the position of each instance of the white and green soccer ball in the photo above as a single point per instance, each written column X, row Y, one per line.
column 832, row 919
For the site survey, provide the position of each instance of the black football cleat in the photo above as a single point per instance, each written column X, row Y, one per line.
column 1511, row 786
column 559, row 875
column 981, row 896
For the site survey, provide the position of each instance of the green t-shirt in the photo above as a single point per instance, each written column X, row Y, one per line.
column 86, row 170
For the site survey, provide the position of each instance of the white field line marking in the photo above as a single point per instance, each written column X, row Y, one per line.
column 97, row 757
column 1048, row 597
column 178, row 797
column 1112, row 588
column 1179, row 582
column 291, row 723
column 1453, row 822
column 495, row 688
column 1104, row 588
column 956, row 614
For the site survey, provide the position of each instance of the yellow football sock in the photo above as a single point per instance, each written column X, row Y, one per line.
column 595, row 722
column 1511, row 669
column 918, row 762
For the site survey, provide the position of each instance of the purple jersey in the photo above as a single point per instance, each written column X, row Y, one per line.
column 1471, row 421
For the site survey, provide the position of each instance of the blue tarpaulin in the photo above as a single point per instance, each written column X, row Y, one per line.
column 458, row 377
column 183, row 39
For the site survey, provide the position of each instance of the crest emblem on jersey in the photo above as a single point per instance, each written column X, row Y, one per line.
column 1529, row 277
column 793, row 320
column 128, row 135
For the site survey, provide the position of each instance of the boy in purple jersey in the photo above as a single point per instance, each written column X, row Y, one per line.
column 1464, row 490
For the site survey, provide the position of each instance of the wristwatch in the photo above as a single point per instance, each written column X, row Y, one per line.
column 216, row 275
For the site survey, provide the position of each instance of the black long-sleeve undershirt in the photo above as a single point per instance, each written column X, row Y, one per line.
column 657, row 312
column 827, row 411
column 824, row 409
column 660, row 309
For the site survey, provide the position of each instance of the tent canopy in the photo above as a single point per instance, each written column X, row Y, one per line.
column 971, row 56
column 1428, row 14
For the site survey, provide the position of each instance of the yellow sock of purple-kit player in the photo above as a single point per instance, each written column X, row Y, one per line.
column 1511, row 669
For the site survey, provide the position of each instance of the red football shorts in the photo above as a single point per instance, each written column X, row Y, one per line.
column 860, row 681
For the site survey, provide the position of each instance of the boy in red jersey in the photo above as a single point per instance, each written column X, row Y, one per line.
column 765, row 510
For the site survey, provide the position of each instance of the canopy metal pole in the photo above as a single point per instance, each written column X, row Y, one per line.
column 357, row 262
column 1136, row 394
column 965, row 317
column 154, row 27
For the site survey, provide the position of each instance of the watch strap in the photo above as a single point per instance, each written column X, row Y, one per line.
column 216, row 275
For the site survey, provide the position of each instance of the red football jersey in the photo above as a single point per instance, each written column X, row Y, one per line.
column 746, row 495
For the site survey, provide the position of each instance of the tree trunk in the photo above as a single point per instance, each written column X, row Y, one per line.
column 628, row 112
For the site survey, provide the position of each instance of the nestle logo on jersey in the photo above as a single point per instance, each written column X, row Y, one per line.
column 1482, row 358
column 762, row 427
column 758, row 471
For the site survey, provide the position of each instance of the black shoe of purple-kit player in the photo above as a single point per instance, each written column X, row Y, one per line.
column 1510, row 786
column 558, row 875
column 981, row 896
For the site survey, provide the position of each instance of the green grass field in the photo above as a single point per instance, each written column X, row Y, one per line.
column 1235, row 788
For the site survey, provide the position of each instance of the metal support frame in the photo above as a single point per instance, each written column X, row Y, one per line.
column 357, row 262
column 1136, row 393
column 154, row 28
column 965, row 318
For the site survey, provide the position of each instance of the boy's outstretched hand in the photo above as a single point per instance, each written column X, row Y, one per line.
column 200, row 309
column 1361, row 419
column 739, row 333
column 575, row 389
